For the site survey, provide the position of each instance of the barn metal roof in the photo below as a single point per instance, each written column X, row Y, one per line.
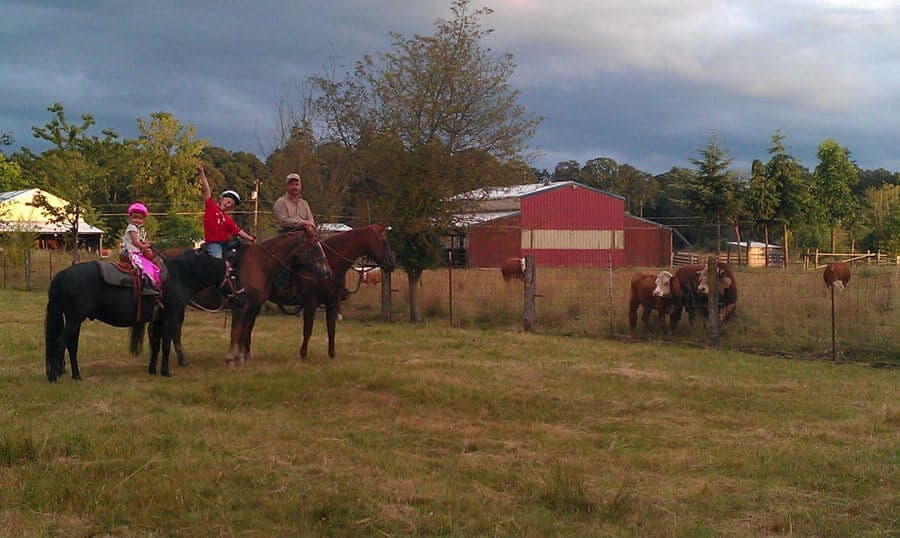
column 47, row 227
column 333, row 227
column 753, row 244
column 518, row 191
column 471, row 219
column 19, row 215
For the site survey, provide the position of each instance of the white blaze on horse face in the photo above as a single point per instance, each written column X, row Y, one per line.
column 522, row 263
column 663, row 284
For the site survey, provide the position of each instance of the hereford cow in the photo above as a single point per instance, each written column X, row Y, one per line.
column 691, row 300
column 660, row 292
column 513, row 268
column 727, row 289
column 372, row 278
column 836, row 275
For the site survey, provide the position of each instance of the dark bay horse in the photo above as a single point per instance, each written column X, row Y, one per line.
column 79, row 292
column 299, row 252
column 342, row 250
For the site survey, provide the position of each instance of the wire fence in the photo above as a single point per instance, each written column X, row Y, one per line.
column 784, row 311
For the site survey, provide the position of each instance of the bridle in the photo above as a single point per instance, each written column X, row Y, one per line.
column 360, row 272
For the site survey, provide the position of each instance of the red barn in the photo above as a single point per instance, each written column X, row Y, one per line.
column 647, row 243
column 563, row 224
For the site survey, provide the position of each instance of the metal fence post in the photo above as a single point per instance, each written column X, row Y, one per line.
column 530, row 292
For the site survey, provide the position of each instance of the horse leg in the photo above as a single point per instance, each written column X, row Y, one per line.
column 309, row 318
column 237, row 334
column 251, row 322
column 167, row 330
column 153, row 331
column 632, row 315
column 179, row 347
column 331, row 314
column 70, row 336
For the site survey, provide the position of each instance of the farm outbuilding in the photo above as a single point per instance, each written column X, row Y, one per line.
column 753, row 254
column 564, row 224
column 18, row 214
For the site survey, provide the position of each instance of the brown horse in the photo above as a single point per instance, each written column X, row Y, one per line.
column 342, row 250
column 298, row 252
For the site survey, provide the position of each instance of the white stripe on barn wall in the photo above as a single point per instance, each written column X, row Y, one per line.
column 573, row 239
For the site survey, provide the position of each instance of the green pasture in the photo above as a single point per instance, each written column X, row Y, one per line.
column 431, row 429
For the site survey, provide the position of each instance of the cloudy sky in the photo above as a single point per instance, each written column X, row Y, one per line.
column 641, row 81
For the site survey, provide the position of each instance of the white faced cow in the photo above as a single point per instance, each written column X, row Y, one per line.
column 727, row 288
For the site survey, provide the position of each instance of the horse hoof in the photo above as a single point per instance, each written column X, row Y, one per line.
column 183, row 363
column 151, row 371
column 166, row 374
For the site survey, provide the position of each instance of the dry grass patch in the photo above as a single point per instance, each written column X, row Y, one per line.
column 428, row 429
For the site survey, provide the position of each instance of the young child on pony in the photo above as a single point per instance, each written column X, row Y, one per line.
column 135, row 246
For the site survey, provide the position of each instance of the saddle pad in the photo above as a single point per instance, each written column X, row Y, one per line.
column 116, row 277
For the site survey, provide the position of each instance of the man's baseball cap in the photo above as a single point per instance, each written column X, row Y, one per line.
column 291, row 177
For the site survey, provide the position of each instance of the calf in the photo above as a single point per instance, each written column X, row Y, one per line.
column 372, row 278
column 691, row 300
column 668, row 299
column 660, row 292
column 513, row 268
column 836, row 275
column 727, row 289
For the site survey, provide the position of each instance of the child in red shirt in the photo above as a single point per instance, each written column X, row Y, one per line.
column 218, row 227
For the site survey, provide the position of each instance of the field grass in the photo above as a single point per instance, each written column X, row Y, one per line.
column 779, row 311
column 431, row 429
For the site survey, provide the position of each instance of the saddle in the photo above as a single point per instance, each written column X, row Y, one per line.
column 123, row 274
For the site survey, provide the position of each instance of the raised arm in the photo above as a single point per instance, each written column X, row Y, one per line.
column 207, row 193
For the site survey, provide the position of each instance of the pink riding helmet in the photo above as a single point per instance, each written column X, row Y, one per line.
column 137, row 207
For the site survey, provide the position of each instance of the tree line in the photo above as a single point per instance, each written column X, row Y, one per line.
column 836, row 206
column 393, row 137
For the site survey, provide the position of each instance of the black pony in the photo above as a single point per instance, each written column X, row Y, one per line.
column 79, row 292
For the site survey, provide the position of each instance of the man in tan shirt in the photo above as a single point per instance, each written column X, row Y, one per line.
column 291, row 211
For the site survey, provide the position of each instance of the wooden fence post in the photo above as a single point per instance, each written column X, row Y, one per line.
column 450, row 281
column 3, row 255
column 386, row 295
column 833, row 337
column 712, row 280
column 609, row 292
column 28, row 270
column 530, row 293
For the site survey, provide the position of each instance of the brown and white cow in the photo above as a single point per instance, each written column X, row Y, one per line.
column 691, row 300
column 660, row 292
column 372, row 278
column 837, row 275
column 513, row 268
column 726, row 290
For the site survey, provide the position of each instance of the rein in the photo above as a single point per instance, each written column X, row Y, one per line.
column 291, row 253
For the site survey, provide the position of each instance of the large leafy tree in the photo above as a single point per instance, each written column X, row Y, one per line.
column 791, row 183
column 73, row 168
column 166, row 163
column 762, row 199
column 10, row 175
column 442, row 108
column 833, row 181
column 710, row 192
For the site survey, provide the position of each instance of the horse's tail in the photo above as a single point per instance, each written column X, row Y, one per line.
column 137, row 339
column 53, row 334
